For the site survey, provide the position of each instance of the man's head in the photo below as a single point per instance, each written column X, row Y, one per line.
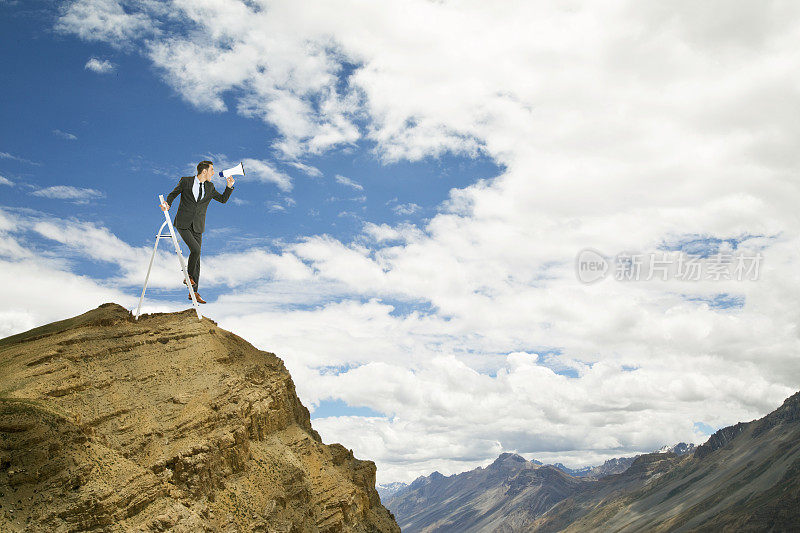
column 205, row 169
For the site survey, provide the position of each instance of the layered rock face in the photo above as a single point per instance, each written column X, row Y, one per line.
column 166, row 424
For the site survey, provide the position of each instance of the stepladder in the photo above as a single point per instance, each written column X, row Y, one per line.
column 171, row 235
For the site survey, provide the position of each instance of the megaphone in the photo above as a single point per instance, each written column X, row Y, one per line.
column 238, row 170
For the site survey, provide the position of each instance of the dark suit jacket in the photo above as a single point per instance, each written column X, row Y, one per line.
column 191, row 213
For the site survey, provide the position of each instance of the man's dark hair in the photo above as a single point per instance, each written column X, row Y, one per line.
column 202, row 165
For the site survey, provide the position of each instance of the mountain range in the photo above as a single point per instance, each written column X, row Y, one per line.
column 746, row 477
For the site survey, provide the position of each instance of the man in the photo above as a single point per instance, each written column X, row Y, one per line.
column 190, row 221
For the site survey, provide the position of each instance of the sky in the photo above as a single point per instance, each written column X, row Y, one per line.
column 567, row 230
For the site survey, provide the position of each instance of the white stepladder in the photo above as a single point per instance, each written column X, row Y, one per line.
column 172, row 236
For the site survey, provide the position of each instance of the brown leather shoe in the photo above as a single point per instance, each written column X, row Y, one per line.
column 197, row 297
column 193, row 282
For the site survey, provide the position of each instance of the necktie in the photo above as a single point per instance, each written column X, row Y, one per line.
column 200, row 194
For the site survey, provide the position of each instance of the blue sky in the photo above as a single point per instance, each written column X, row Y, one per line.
column 421, row 178
column 134, row 137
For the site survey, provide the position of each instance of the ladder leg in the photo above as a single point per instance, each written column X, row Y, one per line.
column 147, row 277
column 185, row 272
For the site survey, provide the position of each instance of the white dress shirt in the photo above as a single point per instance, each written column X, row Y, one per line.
column 196, row 188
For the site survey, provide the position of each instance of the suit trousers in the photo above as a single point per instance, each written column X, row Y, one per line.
column 193, row 240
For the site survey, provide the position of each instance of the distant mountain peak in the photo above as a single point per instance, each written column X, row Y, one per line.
column 387, row 490
column 678, row 449
column 508, row 459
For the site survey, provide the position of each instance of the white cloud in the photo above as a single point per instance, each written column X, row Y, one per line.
column 6, row 181
column 279, row 62
column 406, row 209
column 264, row 171
column 91, row 241
column 65, row 135
column 309, row 170
column 101, row 66
column 10, row 247
column 360, row 199
column 104, row 20
column 41, row 294
column 384, row 232
column 6, row 155
column 350, row 183
column 68, row 192
column 43, row 290
column 237, row 269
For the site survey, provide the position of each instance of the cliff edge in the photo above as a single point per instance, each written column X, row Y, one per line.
column 166, row 424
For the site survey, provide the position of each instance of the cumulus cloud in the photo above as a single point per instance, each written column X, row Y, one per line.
column 77, row 195
column 101, row 66
column 104, row 20
column 626, row 126
column 384, row 232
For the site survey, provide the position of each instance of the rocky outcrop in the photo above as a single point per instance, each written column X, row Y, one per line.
column 719, row 440
column 165, row 423
column 786, row 414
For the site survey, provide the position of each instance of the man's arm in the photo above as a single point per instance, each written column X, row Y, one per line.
column 175, row 192
column 171, row 196
column 221, row 197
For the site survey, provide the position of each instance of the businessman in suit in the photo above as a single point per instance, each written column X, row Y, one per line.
column 190, row 221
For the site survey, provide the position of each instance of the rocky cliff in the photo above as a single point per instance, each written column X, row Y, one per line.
column 166, row 423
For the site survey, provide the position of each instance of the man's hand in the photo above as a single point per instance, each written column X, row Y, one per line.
column 230, row 181
column 164, row 206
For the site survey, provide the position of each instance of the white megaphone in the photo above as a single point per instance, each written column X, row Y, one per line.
column 238, row 170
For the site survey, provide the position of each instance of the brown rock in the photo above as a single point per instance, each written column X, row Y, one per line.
column 165, row 424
